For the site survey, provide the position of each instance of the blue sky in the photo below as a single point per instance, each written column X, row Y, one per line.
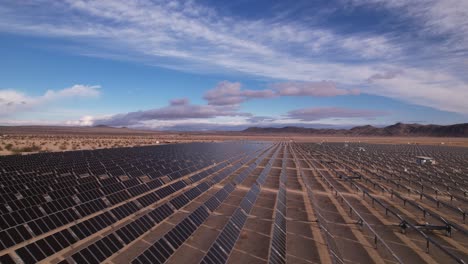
column 198, row 65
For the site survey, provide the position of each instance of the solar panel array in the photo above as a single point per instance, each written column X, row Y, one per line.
column 388, row 178
column 51, row 201
column 227, row 202
column 180, row 233
column 221, row 248
column 277, row 253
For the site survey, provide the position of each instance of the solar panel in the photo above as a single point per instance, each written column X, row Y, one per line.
column 221, row 195
column 28, row 257
column 212, row 203
column 160, row 213
column 6, row 259
column 35, row 252
column 42, row 192
column 277, row 253
column 193, row 193
column 278, row 246
column 199, row 215
column 246, row 205
column 215, row 255
column 239, row 218
column 148, row 199
column 179, row 201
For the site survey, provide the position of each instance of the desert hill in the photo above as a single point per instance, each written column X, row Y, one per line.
column 398, row 129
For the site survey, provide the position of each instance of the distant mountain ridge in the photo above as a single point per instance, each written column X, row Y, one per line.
column 398, row 129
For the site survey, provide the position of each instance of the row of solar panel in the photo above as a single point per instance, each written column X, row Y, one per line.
column 41, row 179
column 36, row 189
column 130, row 232
column 390, row 177
column 420, row 192
column 86, row 168
column 35, row 252
column 263, row 175
column 249, row 200
column 33, row 195
column 115, row 193
column 163, row 192
column 79, row 231
column 119, row 164
column 424, row 183
column 51, row 209
column 201, row 175
column 41, row 161
column 243, row 175
column 284, row 166
column 158, row 253
column 89, row 155
column 419, row 178
column 25, row 188
column 225, row 241
column 436, row 174
column 277, row 252
column 87, row 228
column 37, row 182
column 48, row 226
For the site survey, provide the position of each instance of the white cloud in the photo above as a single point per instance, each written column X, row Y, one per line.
column 13, row 101
column 76, row 90
column 198, row 38
column 427, row 88
column 320, row 113
column 180, row 101
column 371, row 47
column 436, row 17
column 198, row 35
column 177, row 110
column 317, row 89
column 83, row 121
column 230, row 93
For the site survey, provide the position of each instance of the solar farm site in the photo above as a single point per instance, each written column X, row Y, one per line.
column 236, row 202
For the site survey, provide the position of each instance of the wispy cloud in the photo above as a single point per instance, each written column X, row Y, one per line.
column 390, row 74
column 231, row 93
column 179, row 109
column 186, row 35
column 13, row 101
column 431, row 89
column 317, row 89
column 313, row 114
column 180, row 114
column 180, row 101
column 434, row 17
column 260, row 119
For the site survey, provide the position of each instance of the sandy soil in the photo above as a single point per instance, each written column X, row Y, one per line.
column 33, row 139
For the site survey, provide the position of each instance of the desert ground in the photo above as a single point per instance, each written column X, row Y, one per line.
column 34, row 139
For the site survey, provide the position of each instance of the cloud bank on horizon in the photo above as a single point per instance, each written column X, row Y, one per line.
column 310, row 62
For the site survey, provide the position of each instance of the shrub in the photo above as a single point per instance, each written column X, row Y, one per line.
column 32, row 148
column 16, row 151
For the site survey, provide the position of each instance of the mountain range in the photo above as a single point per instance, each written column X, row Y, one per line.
column 398, row 129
